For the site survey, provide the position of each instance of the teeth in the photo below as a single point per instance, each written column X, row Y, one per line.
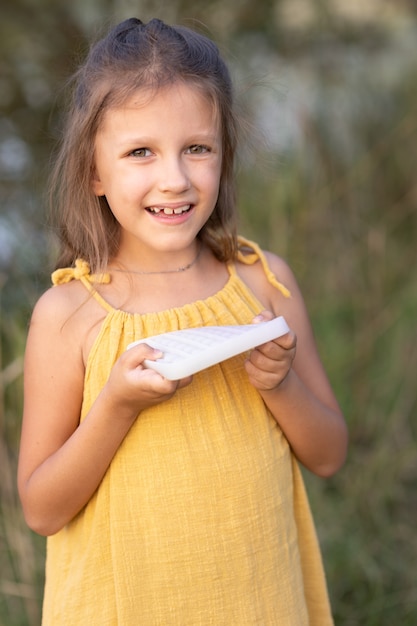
column 169, row 211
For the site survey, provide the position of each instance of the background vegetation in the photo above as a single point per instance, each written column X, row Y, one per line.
column 332, row 85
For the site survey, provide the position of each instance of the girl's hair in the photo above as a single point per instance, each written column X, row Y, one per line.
column 136, row 56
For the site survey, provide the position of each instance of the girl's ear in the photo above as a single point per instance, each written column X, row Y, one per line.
column 96, row 184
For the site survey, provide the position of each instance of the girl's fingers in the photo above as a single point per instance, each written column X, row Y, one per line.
column 278, row 349
column 263, row 316
column 137, row 354
column 287, row 341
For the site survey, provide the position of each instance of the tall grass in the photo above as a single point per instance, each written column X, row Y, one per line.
column 349, row 230
column 20, row 552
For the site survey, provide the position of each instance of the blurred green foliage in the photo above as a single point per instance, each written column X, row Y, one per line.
column 327, row 182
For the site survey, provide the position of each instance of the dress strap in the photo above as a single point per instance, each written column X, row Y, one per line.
column 258, row 255
column 81, row 272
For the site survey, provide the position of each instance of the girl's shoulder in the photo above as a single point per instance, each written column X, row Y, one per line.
column 65, row 317
column 260, row 275
column 61, row 302
column 279, row 267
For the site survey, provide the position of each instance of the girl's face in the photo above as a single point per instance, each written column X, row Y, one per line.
column 158, row 162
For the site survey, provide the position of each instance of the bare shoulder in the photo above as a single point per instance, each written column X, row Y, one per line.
column 293, row 308
column 279, row 267
column 63, row 318
column 51, row 332
column 60, row 302
column 267, row 293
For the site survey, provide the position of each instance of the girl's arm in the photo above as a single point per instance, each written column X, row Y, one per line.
column 293, row 384
column 61, row 461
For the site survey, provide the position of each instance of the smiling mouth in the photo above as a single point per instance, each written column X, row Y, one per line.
column 168, row 210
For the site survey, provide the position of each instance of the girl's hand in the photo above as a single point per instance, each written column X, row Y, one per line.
column 132, row 387
column 269, row 364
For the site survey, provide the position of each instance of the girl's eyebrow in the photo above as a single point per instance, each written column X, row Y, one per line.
column 146, row 140
column 140, row 141
column 207, row 137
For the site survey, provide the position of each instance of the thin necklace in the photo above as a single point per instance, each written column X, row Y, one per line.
column 176, row 271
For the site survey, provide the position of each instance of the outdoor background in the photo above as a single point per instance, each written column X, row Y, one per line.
column 328, row 181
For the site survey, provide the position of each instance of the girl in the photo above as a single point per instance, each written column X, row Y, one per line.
column 168, row 503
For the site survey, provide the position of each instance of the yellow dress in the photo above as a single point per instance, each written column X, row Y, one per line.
column 202, row 517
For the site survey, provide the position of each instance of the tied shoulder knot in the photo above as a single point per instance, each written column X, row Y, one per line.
column 81, row 271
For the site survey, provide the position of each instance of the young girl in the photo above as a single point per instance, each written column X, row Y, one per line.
column 168, row 503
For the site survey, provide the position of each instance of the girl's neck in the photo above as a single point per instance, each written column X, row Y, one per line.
column 128, row 269
column 147, row 292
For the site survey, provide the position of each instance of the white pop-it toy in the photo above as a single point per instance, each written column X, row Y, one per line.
column 191, row 350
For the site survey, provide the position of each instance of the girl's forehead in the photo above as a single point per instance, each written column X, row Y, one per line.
column 176, row 100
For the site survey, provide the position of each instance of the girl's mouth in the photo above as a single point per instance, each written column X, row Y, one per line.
column 168, row 210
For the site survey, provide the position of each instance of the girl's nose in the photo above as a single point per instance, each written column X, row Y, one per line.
column 173, row 176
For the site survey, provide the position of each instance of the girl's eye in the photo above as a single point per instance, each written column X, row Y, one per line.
column 198, row 149
column 141, row 152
